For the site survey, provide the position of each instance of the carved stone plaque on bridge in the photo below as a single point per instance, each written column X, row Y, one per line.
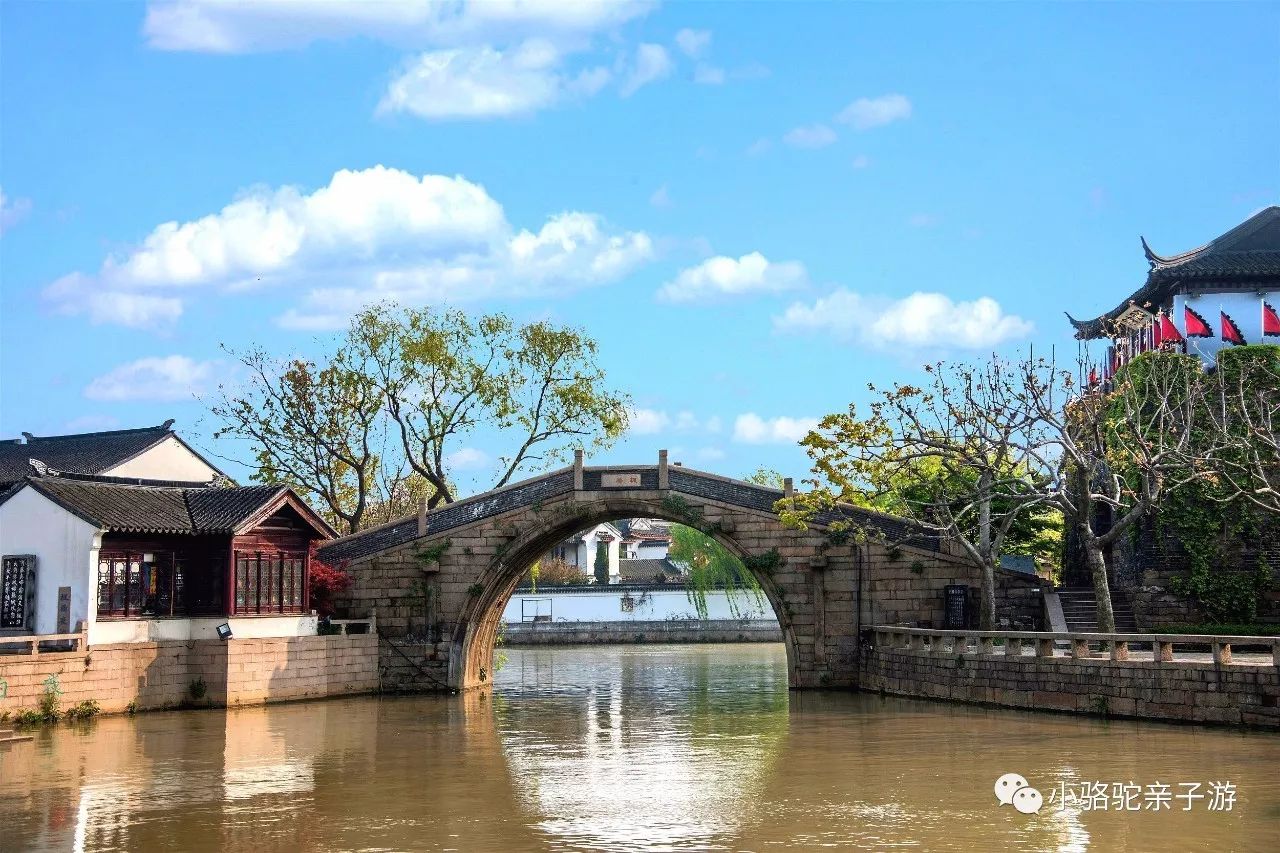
column 619, row 481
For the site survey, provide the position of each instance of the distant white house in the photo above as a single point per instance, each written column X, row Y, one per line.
column 629, row 540
column 646, row 538
column 139, row 559
column 580, row 549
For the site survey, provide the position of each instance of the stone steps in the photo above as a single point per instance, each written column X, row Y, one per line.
column 1079, row 609
column 8, row 736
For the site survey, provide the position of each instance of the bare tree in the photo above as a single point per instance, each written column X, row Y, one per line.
column 959, row 457
column 1242, row 411
column 315, row 427
column 1120, row 448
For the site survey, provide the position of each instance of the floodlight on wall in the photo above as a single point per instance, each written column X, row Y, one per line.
column 224, row 631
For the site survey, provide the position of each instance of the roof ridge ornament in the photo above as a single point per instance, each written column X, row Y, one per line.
column 42, row 469
column 1152, row 258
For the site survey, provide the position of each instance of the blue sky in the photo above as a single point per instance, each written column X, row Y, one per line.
column 755, row 208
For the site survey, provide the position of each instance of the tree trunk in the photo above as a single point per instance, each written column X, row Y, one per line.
column 987, row 612
column 1101, row 588
column 987, row 609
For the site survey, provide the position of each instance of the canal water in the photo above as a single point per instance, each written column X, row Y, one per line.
column 635, row 748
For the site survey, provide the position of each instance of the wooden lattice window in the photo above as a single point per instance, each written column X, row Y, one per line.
column 270, row 582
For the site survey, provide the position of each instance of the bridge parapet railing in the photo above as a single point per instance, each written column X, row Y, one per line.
column 32, row 645
column 1165, row 648
column 345, row 627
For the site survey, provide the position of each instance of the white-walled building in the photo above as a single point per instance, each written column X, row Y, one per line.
column 140, row 559
column 151, row 453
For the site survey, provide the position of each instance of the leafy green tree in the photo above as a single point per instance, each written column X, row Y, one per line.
column 442, row 374
column 708, row 566
column 766, row 477
column 602, row 563
column 368, row 430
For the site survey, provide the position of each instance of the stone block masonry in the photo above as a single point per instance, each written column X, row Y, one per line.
column 1185, row 691
column 438, row 585
column 150, row 676
column 630, row 632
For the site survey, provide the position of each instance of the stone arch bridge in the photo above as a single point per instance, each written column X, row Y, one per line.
column 438, row 582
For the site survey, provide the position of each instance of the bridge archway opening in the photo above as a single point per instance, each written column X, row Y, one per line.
column 477, row 632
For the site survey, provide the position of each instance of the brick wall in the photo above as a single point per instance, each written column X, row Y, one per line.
column 159, row 675
column 1185, row 691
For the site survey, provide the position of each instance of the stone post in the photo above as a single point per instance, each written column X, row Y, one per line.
column 664, row 479
column 577, row 470
column 917, row 643
column 1161, row 652
column 986, row 646
column 422, row 518
column 788, row 487
column 1119, row 649
column 1044, row 648
column 819, row 616
column 1079, row 648
column 1221, row 652
column 1013, row 647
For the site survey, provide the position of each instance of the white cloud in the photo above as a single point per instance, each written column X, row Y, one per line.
column 709, row 454
column 467, row 458
column 12, row 210
column 725, row 276
column 866, row 113
column 810, row 136
column 92, row 423
column 173, row 377
column 920, row 320
column 753, row 429
column 652, row 63
column 478, row 59
column 922, row 220
column 708, row 75
column 862, row 161
column 220, row 26
column 660, row 197
column 648, row 421
column 373, row 234
column 481, row 83
column 760, row 146
column 693, row 43
column 651, row 421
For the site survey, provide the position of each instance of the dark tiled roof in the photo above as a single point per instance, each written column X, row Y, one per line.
column 1246, row 257
column 647, row 571
column 84, row 453
column 156, row 508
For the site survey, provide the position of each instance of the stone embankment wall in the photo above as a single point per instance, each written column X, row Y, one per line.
column 160, row 675
column 667, row 631
column 1182, row 691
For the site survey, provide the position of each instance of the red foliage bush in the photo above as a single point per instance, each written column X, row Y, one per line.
column 327, row 583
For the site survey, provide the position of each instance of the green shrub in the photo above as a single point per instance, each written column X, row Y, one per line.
column 86, row 710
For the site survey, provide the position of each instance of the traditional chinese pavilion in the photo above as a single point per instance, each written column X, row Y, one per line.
column 1225, row 293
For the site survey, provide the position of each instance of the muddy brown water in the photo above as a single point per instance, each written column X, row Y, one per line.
column 634, row 749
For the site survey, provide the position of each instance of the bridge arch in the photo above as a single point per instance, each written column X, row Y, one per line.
column 437, row 583
column 476, row 632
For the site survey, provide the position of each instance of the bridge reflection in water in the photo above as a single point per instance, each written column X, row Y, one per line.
column 620, row 748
